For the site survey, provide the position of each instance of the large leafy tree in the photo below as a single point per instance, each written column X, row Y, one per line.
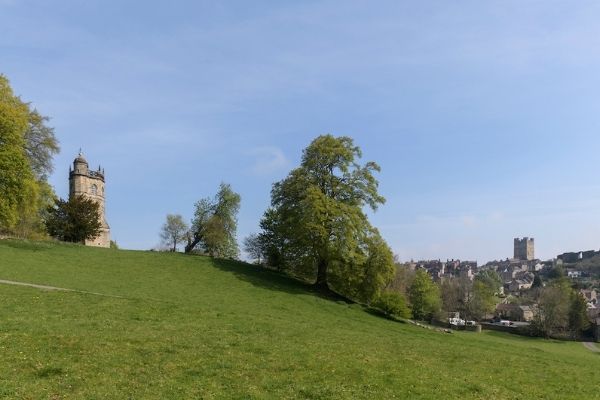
column 552, row 314
column 480, row 300
column 316, row 227
column 18, row 187
column 424, row 296
column 74, row 220
column 578, row 319
column 40, row 145
column 214, row 226
column 27, row 146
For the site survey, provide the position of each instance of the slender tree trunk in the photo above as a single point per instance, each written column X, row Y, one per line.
column 321, row 282
column 191, row 244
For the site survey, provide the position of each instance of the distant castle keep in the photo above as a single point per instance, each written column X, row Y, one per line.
column 524, row 249
column 90, row 183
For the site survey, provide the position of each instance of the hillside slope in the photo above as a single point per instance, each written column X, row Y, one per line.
column 190, row 327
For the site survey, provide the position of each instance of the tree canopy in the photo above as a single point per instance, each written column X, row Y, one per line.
column 214, row 226
column 74, row 220
column 40, row 144
column 316, row 227
column 173, row 231
column 18, row 188
column 424, row 296
column 27, row 145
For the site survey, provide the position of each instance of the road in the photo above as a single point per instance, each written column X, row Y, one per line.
column 44, row 287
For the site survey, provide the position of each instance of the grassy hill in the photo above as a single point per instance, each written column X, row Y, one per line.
column 189, row 327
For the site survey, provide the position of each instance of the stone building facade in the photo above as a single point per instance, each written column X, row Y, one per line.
column 524, row 249
column 90, row 183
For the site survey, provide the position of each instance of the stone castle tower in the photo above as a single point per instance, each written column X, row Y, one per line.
column 90, row 183
column 524, row 249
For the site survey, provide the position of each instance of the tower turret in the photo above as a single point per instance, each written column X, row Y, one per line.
column 80, row 165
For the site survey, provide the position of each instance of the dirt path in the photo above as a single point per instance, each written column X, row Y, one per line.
column 44, row 287
column 591, row 346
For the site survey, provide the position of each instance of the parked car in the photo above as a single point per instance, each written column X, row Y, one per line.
column 456, row 321
column 471, row 323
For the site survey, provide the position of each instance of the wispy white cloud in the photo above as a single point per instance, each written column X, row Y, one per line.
column 268, row 160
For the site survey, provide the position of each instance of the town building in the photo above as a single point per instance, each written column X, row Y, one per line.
column 514, row 312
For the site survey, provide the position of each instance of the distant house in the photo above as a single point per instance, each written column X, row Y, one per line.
column 516, row 285
column 514, row 312
column 574, row 274
column 538, row 266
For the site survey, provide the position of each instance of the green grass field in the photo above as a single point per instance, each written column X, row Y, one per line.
column 188, row 327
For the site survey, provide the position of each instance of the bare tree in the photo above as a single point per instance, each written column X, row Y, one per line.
column 173, row 231
column 253, row 247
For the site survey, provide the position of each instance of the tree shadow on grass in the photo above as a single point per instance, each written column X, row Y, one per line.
column 274, row 280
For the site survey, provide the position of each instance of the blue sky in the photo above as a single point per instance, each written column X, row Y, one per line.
column 484, row 116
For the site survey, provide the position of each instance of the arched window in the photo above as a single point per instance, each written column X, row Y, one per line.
column 94, row 189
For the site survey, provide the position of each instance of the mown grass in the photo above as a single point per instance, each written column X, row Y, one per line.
column 190, row 327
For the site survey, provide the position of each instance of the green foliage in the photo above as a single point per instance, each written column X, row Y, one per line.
column 114, row 245
column 377, row 270
column 74, row 220
column 272, row 240
column 393, row 304
column 424, row 296
column 556, row 272
column 481, row 300
column 202, row 328
column 26, row 149
column 40, row 145
column 30, row 223
column 316, row 228
column 173, row 231
column 552, row 316
column 214, row 225
column 403, row 277
column 578, row 319
column 491, row 279
column 18, row 188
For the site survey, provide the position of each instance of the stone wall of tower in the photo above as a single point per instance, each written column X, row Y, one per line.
column 91, row 184
column 524, row 249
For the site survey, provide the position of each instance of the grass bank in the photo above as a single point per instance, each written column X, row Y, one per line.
column 191, row 327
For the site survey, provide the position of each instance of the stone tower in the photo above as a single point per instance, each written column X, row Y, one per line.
column 90, row 183
column 524, row 249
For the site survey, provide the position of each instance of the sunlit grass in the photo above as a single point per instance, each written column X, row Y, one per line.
column 190, row 327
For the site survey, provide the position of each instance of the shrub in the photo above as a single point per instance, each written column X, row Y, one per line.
column 393, row 304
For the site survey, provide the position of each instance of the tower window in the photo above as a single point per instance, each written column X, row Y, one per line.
column 94, row 189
